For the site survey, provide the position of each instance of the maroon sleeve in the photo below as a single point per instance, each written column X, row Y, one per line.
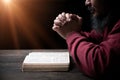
column 93, row 58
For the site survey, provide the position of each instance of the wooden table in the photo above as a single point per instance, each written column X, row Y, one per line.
column 11, row 62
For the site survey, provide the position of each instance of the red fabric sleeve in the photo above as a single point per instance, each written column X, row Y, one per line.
column 93, row 58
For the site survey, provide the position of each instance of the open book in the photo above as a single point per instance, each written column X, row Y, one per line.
column 46, row 61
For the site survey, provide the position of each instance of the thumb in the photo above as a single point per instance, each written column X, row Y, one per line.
column 75, row 17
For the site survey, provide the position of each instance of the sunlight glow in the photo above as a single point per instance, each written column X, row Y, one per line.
column 17, row 22
column 7, row 1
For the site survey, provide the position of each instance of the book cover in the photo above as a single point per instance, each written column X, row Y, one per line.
column 46, row 61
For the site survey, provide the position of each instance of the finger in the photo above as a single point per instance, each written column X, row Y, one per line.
column 75, row 17
column 61, row 17
column 55, row 27
column 63, row 14
column 58, row 22
column 80, row 18
column 68, row 17
column 57, row 18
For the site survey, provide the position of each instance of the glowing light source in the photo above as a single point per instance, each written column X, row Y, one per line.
column 7, row 1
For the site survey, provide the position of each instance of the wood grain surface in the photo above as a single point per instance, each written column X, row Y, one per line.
column 11, row 62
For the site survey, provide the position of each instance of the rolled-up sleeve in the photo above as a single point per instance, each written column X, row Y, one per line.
column 93, row 58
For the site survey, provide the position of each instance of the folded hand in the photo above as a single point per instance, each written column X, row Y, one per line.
column 66, row 23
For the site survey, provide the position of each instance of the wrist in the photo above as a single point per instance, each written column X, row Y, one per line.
column 70, row 33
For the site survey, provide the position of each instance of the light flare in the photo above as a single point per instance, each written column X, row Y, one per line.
column 20, row 26
column 7, row 1
column 18, row 20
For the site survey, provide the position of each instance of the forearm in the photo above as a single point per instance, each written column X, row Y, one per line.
column 88, row 56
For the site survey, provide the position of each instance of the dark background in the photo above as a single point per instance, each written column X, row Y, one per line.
column 27, row 24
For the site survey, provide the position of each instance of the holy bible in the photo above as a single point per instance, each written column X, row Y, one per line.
column 46, row 61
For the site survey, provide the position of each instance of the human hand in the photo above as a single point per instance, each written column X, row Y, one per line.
column 66, row 23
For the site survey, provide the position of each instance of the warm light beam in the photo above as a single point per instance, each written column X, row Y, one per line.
column 7, row 1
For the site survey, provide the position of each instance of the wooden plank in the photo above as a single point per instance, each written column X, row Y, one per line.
column 10, row 69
